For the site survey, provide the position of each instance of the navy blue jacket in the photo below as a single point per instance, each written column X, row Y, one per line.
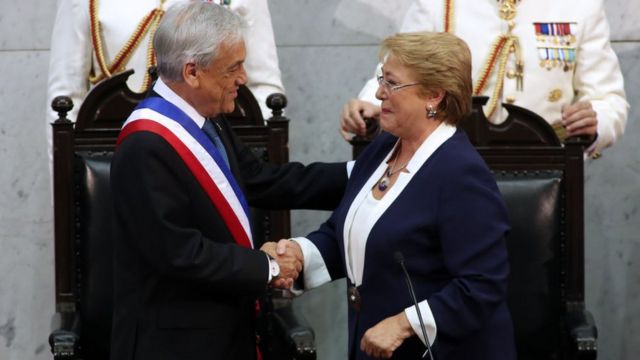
column 449, row 222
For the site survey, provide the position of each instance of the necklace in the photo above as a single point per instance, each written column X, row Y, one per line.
column 383, row 184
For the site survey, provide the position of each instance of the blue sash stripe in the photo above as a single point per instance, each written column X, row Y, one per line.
column 174, row 113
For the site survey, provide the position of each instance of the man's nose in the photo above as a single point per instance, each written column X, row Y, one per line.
column 242, row 77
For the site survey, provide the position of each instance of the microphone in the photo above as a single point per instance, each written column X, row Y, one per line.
column 399, row 258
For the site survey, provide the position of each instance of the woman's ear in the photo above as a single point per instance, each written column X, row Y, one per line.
column 436, row 96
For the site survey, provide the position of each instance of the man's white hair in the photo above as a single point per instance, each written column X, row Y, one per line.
column 193, row 32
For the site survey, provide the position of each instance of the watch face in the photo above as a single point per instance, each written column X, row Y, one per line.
column 275, row 268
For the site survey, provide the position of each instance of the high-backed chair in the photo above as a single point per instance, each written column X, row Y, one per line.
column 83, row 216
column 542, row 181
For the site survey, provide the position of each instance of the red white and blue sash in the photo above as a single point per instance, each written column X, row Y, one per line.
column 203, row 159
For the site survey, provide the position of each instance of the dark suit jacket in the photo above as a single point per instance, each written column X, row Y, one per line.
column 449, row 222
column 183, row 288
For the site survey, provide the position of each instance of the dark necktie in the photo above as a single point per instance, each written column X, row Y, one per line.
column 211, row 132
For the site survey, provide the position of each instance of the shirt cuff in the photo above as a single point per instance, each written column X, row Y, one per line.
column 314, row 270
column 427, row 318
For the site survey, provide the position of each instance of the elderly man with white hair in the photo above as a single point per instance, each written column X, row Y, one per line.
column 187, row 273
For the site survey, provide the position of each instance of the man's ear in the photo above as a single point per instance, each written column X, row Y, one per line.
column 190, row 74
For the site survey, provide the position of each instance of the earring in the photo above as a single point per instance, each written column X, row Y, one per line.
column 431, row 113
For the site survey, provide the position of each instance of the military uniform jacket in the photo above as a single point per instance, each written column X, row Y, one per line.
column 594, row 75
column 72, row 57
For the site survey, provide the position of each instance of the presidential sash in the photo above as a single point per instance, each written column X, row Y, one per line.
column 203, row 159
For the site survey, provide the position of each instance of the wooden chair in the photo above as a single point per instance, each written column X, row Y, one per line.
column 83, row 216
column 542, row 181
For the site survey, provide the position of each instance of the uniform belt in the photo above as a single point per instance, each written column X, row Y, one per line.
column 353, row 296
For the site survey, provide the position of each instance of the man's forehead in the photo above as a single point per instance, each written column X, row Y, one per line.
column 231, row 52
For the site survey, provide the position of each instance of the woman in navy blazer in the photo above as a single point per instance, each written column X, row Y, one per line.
column 420, row 189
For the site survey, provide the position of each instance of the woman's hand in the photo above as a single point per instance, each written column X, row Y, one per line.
column 383, row 339
column 290, row 260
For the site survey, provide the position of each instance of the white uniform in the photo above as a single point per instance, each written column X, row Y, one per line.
column 593, row 76
column 72, row 57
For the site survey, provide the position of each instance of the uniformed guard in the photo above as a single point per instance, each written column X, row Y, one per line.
column 552, row 57
column 93, row 39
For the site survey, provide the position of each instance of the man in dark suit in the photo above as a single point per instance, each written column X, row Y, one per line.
column 186, row 272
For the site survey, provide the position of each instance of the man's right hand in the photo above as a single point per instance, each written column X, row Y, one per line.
column 353, row 114
column 290, row 259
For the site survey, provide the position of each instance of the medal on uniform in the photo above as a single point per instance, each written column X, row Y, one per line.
column 508, row 9
column 556, row 45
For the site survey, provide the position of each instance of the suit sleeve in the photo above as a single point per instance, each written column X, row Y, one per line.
column 317, row 186
column 598, row 79
column 154, row 207
column 472, row 224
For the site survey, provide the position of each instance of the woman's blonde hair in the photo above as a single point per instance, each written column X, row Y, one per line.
column 438, row 61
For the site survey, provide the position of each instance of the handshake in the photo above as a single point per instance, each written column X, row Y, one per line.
column 289, row 256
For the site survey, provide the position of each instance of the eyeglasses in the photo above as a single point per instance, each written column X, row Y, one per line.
column 391, row 88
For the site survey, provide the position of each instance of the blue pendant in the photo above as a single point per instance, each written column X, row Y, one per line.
column 383, row 184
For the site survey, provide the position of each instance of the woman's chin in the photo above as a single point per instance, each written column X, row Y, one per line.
column 386, row 119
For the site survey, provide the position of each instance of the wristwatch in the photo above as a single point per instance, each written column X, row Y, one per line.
column 274, row 268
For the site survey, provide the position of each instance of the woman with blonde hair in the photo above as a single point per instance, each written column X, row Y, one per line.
column 420, row 194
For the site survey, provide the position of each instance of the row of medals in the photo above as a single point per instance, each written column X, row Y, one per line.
column 556, row 45
column 556, row 50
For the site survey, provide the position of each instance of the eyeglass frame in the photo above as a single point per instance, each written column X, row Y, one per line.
column 389, row 88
